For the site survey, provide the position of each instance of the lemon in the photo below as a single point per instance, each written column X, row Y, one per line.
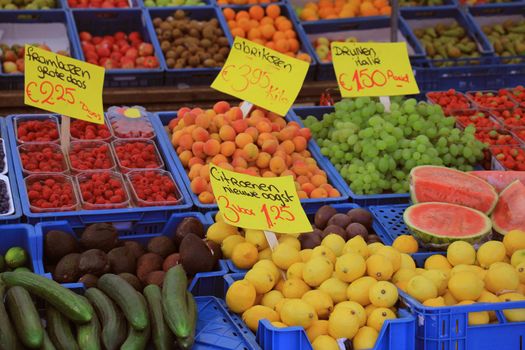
column 437, row 262
column 521, row 288
column 278, row 324
column 403, row 275
column 435, row 302
column 517, row 257
column 449, row 299
column 297, row 312
column 357, row 245
column 407, row 262
column 461, row 252
column 320, row 301
column 491, row 252
column 465, row 286
column 350, row 267
column 356, row 308
column 439, row 278
column 335, row 242
column 325, row 342
column 306, row 254
column 278, row 307
column 218, row 217
column 219, row 231
column 265, row 254
column 405, row 244
column 343, row 323
column 383, row 294
column 295, row 271
column 488, row 297
column 261, row 279
column 379, row 267
column 257, row 238
column 373, row 247
column 513, row 241
column 378, row 316
column 290, row 240
column 513, row 315
column 325, row 252
column 421, row 288
column 365, row 338
column 478, row 271
column 392, row 255
column 335, row 288
column 316, row 329
column 240, row 296
column 271, row 299
column 501, row 277
column 279, row 285
column 229, row 243
column 258, row 312
column 317, row 270
column 244, row 255
column 270, row 266
column 294, row 288
column 284, row 255
column 359, row 289
column 520, row 269
column 476, row 318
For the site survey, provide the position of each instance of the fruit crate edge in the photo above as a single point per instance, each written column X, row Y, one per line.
column 21, row 235
column 16, row 217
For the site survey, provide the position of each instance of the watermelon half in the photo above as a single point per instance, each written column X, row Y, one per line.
column 440, row 184
column 509, row 214
column 499, row 179
column 438, row 224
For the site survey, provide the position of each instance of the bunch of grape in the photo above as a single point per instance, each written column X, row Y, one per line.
column 375, row 150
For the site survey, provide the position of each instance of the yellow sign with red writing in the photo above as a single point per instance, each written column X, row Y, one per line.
column 261, row 203
column 262, row 76
column 373, row 69
column 63, row 85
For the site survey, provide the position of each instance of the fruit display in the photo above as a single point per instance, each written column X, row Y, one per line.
column 508, row 214
column 448, row 41
column 171, row 3
column 499, row 179
column 332, row 9
column 190, row 43
column 491, row 100
column 130, row 122
column 28, row 4
column 12, row 57
column 494, row 137
column 266, row 26
column 138, row 154
column 519, row 133
column 104, row 4
column 450, row 100
column 511, row 118
column 479, row 119
column 507, row 39
column 82, row 130
column 37, row 130
column 509, row 157
column 111, row 314
column 262, row 144
column 42, row 158
column 14, row 259
column 375, row 150
column 90, row 155
column 118, row 51
column 47, row 193
column 517, row 93
column 151, row 187
column 99, row 250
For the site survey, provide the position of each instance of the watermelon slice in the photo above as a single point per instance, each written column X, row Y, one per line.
column 439, row 224
column 500, row 179
column 440, row 184
column 510, row 211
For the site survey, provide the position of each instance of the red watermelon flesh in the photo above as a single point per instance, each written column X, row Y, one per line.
column 509, row 214
column 446, row 185
column 500, row 179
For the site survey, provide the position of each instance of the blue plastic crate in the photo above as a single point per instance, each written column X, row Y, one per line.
column 134, row 4
column 298, row 114
column 16, row 81
column 163, row 118
column 108, row 22
column 145, row 219
column 16, row 217
column 396, row 334
column 20, row 235
column 352, row 27
column 188, row 76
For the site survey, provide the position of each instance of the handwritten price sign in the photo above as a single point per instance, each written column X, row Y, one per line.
column 373, row 69
column 259, row 203
column 63, row 85
column 262, row 76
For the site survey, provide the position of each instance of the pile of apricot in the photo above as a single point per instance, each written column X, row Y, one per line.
column 262, row 144
column 333, row 9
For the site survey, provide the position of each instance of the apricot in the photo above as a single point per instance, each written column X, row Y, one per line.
column 198, row 149
column 195, row 171
column 227, row 148
column 263, row 160
column 264, row 126
column 300, row 143
column 252, row 131
column 288, row 146
column 226, row 166
column 175, row 137
column 300, row 167
column 334, row 193
column 308, row 188
column 239, row 162
column 186, row 141
column 268, row 174
column 221, row 107
column 319, row 193
column 195, row 160
column 318, row 180
column 302, row 195
column 206, row 197
column 200, row 134
column 289, row 172
column 188, row 118
column 218, row 159
column 198, row 185
column 203, row 120
column 243, row 139
column 251, row 152
column 240, row 125
column 301, row 179
column 185, row 157
column 204, row 172
column 227, row 133
column 212, row 147
column 277, row 165
column 269, row 146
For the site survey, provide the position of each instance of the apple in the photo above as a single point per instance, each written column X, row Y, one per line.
column 145, row 49
column 10, row 67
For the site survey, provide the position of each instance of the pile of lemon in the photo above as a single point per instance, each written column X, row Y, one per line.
column 494, row 273
column 336, row 290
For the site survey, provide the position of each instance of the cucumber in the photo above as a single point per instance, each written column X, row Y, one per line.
column 137, row 340
column 60, row 330
column 8, row 338
column 88, row 335
column 160, row 332
column 174, row 302
column 67, row 302
column 47, row 344
column 25, row 317
column 127, row 298
column 187, row 343
column 113, row 324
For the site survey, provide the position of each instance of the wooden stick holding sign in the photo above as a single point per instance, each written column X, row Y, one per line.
column 65, row 135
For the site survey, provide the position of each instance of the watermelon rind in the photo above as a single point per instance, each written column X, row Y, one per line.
column 473, row 179
column 434, row 240
column 499, row 229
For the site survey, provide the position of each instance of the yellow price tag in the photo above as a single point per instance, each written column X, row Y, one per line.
column 262, row 76
column 63, row 85
column 261, row 203
column 373, row 69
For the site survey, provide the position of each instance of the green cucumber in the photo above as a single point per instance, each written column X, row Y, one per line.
column 25, row 317
column 47, row 344
column 187, row 343
column 162, row 336
column 113, row 324
column 8, row 338
column 126, row 297
column 60, row 330
column 174, row 302
column 137, row 340
column 88, row 335
column 67, row 302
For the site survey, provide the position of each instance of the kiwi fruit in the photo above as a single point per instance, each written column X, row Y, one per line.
column 121, row 259
column 361, row 216
column 189, row 224
column 67, row 269
column 195, row 255
column 322, row 216
column 338, row 230
column 341, row 220
column 58, row 244
column 94, row 261
column 89, row 280
column 147, row 263
column 356, row 229
column 135, row 248
column 161, row 245
column 100, row 236
column 309, row 240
